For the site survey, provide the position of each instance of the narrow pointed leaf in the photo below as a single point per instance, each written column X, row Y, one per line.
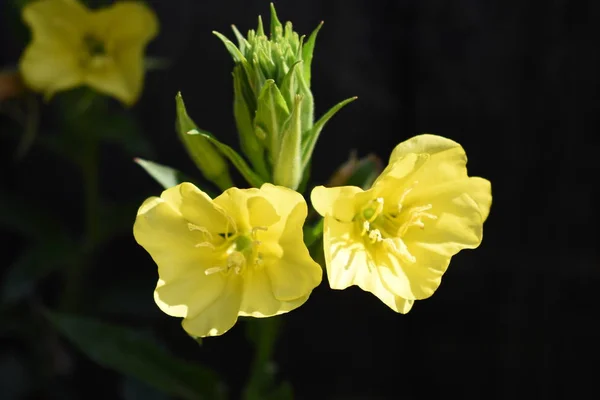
column 276, row 27
column 260, row 30
column 311, row 140
column 206, row 157
column 166, row 176
column 251, row 177
column 307, row 53
column 237, row 55
column 128, row 352
column 242, row 42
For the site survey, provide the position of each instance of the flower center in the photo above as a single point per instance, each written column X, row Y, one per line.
column 377, row 222
column 236, row 252
column 94, row 53
column 94, row 46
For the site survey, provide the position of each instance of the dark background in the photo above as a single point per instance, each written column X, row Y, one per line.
column 515, row 82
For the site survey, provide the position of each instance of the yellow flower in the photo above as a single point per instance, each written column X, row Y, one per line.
column 73, row 46
column 241, row 254
column 396, row 239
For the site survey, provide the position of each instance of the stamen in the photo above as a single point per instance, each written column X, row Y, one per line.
column 415, row 218
column 375, row 236
column 365, row 228
column 214, row 270
column 402, row 251
column 205, row 244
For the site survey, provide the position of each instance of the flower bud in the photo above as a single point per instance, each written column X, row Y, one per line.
column 206, row 157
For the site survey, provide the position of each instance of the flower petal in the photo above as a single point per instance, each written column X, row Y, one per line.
column 481, row 192
column 258, row 299
column 349, row 263
column 163, row 232
column 50, row 68
column 459, row 223
column 261, row 213
column 335, row 201
column 57, row 22
column 283, row 200
column 107, row 75
column 220, row 315
column 235, row 203
column 51, row 61
column 293, row 274
column 199, row 209
column 423, row 144
column 125, row 28
column 446, row 159
column 125, row 24
column 190, row 293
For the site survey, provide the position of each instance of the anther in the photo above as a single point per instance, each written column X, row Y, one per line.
column 375, row 236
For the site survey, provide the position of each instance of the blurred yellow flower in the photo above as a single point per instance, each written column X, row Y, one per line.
column 241, row 254
column 396, row 239
column 72, row 46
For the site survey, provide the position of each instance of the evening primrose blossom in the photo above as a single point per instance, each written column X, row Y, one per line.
column 72, row 46
column 396, row 239
column 241, row 254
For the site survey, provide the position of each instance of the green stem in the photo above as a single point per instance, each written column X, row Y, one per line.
column 76, row 270
column 263, row 333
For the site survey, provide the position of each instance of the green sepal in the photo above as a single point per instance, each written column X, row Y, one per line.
column 208, row 160
column 313, row 135
column 276, row 27
column 252, row 146
column 251, row 177
column 307, row 53
column 271, row 113
column 289, row 84
column 288, row 169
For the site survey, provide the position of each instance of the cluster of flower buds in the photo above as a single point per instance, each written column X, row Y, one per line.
column 273, row 107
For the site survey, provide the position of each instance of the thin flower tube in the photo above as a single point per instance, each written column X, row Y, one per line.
column 397, row 238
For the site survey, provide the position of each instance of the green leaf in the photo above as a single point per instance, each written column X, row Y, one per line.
column 128, row 352
column 365, row 173
column 272, row 111
column 35, row 263
column 307, row 53
column 29, row 217
column 133, row 389
column 208, row 160
column 166, row 176
column 313, row 232
column 314, row 133
column 251, row 177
